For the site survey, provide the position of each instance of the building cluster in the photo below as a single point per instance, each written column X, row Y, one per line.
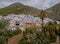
column 23, row 21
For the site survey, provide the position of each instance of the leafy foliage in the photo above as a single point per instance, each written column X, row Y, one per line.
column 2, row 41
column 33, row 36
column 50, row 31
column 14, row 32
column 3, row 23
column 6, row 33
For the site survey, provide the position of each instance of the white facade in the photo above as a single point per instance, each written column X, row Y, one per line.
column 23, row 19
column 1, row 17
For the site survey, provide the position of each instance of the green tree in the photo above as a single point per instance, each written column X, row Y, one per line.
column 50, row 31
column 3, row 23
column 42, row 15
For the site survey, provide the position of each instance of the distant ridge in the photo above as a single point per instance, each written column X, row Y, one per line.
column 16, row 4
column 54, row 12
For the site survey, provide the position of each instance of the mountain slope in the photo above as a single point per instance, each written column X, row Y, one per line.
column 54, row 12
column 18, row 8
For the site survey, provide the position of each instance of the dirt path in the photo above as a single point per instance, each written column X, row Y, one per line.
column 15, row 39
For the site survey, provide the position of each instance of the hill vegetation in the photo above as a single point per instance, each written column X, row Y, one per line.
column 18, row 8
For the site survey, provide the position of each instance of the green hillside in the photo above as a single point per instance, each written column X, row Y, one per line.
column 18, row 8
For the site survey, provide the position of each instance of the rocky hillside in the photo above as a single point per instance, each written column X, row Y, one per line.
column 18, row 8
column 54, row 12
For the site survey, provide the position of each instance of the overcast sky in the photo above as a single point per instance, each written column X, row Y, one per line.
column 40, row 4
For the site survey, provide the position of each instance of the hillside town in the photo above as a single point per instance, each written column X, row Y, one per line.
column 23, row 21
column 29, row 21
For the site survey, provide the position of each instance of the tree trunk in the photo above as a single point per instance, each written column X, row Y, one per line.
column 42, row 23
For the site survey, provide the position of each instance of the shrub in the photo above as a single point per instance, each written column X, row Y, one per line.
column 11, row 33
column 58, row 30
column 17, row 31
column 3, row 40
column 49, row 31
column 3, row 23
